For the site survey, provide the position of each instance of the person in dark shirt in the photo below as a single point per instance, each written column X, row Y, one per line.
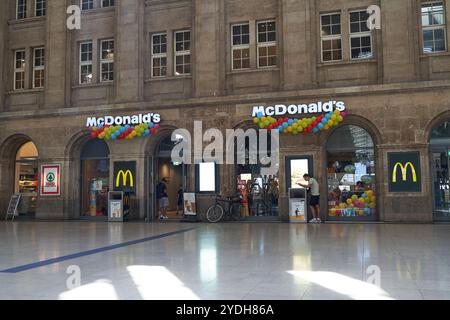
column 180, row 200
column 162, row 198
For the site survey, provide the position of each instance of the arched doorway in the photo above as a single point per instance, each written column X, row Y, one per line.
column 351, row 174
column 161, row 166
column 440, row 159
column 26, row 172
column 95, row 168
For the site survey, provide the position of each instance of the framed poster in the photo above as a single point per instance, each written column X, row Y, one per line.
column 296, row 167
column 190, row 208
column 404, row 172
column 297, row 210
column 50, row 180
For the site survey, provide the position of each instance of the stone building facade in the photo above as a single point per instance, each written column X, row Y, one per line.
column 399, row 93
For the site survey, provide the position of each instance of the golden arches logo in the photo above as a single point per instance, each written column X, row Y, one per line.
column 124, row 175
column 404, row 169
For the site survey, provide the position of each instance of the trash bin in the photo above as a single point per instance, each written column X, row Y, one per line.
column 298, row 206
column 115, row 206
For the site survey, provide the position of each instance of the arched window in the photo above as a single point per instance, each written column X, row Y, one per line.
column 351, row 174
column 26, row 177
column 440, row 159
column 94, row 178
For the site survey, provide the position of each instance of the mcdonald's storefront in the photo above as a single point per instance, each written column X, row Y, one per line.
column 374, row 166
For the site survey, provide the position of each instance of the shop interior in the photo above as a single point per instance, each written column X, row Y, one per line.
column 26, row 178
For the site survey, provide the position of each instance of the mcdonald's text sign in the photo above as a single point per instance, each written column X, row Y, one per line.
column 125, row 176
column 404, row 172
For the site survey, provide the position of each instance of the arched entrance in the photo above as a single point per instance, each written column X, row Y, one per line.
column 160, row 166
column 440, row 159
column 351, row 174
column 26, row 172
column 94, row 159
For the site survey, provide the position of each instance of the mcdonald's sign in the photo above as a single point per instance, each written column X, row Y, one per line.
column 404, row 172
column 125, row 176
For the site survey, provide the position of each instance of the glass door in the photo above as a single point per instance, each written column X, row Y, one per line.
column 441, row 183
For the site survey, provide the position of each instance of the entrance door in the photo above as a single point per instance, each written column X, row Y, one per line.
column 441, row 183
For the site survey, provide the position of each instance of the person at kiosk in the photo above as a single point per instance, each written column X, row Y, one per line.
column 314, row 202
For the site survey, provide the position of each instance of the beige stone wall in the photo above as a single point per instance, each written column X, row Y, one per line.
column 398, row 95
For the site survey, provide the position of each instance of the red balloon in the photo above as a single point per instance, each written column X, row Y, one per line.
column 152, row 130
column 93, row 135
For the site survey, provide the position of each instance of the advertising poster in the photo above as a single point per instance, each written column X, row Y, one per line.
column 297, row 211
column 125, row 176
column 190, row 208
column 404, row 172
column 115, row 209
column 50, row 180
column 299, row 167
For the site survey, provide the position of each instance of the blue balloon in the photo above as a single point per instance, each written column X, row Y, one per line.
column 151, row 125
column 260, row 115
column 290, row 122
column 320, row 126
column 315, row 130
column 324, row 121
column 280, row 129
column 364, row 196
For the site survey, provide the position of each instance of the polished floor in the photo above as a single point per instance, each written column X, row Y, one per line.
column 254, row 261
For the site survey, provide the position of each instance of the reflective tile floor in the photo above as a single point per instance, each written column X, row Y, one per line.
column 259, row 261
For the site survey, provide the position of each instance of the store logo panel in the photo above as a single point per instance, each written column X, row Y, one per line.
column 404, row 172
column 125, row 176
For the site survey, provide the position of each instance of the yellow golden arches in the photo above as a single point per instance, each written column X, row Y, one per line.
column 124, row 175
column 404, row 169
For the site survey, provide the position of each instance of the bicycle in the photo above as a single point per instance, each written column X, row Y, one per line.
column 228, row 207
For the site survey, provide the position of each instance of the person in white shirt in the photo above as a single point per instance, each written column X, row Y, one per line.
column 314, row 202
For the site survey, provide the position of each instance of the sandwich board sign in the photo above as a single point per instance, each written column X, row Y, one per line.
column 12, row 208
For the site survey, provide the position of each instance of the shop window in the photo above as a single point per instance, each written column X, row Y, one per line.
column 94, row 178
column 434, row 27
column 267, row 44
column 331, row 37
column 351, row 174
column 360, row 36
column 183, row 52
column 440, row 160
column 207, row 177
column 240, row 34
column 159, row 55
column 40, row 8
column 26, row 178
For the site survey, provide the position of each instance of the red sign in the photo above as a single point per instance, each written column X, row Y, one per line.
column 50, row 180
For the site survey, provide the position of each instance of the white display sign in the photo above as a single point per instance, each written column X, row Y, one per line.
column 50, row 180
column 190, row 208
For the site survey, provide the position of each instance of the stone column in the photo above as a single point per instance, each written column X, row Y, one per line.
column 55, row 53
column 295, row 40
column 129, row 52
column 208, row 51
column 3, row 55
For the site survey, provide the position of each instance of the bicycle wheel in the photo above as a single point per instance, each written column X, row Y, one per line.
column 214, row 213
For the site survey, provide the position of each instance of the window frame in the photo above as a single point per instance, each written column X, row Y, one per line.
column 109, row 3
column 85, row 63
column 182, row 53
column 266, row 44
column 20, row 70
column 330, row 37
column 432, row 28
column 38, row 68
column 240, row 46
column 360, row 35
column 25, row 11
column 157, row 55
column 106, row 61
column 91, row 7
column 43, row 9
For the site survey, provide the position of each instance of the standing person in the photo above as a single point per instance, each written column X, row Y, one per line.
column 163, row 198
column 180, row 206
column 314, row 203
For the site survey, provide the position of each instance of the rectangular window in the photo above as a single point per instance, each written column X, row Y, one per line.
column 360, row 36
column 107, row 3
column 107, row 61
column 240, row 47
column 159, row 55
column 21, row 9
column 434, row 27
column 87, row 4
column 85, row 62
column 38, row 67
column 40, row 8
column 19, row 69
column 331, row 37
column 183, row 52
column 267, row 44
column 207, row 177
